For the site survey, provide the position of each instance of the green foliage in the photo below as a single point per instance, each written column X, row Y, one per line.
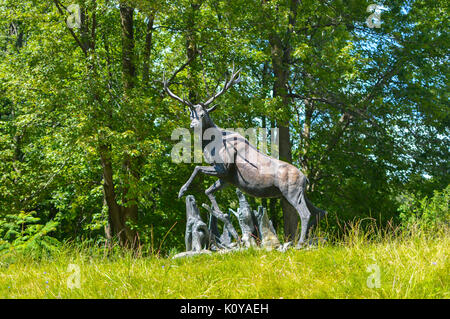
column 428, row 213
column 59, row 103
column 24, row 233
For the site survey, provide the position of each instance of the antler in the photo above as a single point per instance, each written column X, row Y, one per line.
column 235, row 78
column 167, row 84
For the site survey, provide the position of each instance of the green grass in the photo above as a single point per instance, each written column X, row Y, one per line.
column 413, row 266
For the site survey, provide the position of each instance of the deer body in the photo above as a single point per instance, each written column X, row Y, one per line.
column 244, row 166
column 233, row 160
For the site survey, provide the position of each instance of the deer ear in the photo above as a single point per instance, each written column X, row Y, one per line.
column 212, row 108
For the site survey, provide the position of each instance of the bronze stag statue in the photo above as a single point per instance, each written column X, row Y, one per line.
column 233, row 160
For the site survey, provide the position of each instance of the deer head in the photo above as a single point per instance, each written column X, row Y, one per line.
column 199, row 113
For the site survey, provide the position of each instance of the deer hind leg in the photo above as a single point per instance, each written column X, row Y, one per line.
column 305, row 215
column 298, row 200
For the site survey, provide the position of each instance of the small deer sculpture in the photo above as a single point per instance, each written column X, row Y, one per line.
column 246, row 220
column 197, row 235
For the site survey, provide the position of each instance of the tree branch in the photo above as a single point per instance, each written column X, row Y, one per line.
column 58, row 6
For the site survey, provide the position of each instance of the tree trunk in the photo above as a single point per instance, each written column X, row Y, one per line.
column 116, row 218
column 147, row 51
column 191, row 51
column 119, row 215
column 281, row 53
column 280, row 60
column 128, row 67
column 306, row 135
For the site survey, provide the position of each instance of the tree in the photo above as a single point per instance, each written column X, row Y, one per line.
column 85, row 128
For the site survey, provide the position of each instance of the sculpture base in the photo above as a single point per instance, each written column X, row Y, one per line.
column 192, row 253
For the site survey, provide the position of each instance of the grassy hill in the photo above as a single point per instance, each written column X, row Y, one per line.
column 412, row 266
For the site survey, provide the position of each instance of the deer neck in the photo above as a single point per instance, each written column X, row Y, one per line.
column 213, row 132
column 212, row 128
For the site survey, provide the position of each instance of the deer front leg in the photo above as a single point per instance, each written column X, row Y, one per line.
column 208, row 170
